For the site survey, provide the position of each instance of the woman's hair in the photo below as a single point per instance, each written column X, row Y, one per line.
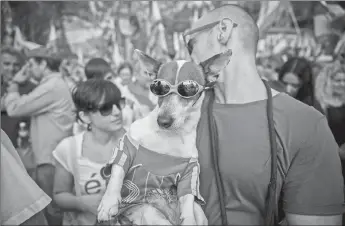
column 125, row 65
column 97, row 68
column 92, row 94
column 303, row 69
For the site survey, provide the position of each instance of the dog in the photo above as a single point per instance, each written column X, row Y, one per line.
column 154, row 172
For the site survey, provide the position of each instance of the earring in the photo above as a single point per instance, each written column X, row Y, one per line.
column 220, row 37
column 89, row 127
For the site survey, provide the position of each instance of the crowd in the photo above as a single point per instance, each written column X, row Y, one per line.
column 58, row 120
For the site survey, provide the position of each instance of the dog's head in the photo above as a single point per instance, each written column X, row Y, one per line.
column 174, row 111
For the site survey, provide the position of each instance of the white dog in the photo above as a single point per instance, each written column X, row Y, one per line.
column 154, row 172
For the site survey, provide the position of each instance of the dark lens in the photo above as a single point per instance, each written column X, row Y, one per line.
column 188, row 88
column 106, row 109
column 160, row 88
column 122, row 103
column 190, row 46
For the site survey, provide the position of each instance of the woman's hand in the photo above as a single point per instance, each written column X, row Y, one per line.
column 90, row 203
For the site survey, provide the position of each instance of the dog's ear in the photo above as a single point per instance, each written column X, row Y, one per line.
column 150, row 65
column 213, row 66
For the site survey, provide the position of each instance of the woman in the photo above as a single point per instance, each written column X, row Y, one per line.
column 297, row 76
column 135, row 89
column 78, row 186
column 330, row 92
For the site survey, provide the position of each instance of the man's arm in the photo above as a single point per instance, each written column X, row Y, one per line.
column 40, row 100
column 313, row 188
column 295, row 219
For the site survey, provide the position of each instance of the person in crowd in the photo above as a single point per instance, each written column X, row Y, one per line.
column 98, row 68
column 16, row 127
column 297, row 76
column 11, row 62
column 330, row 92
column 22, row 201
column 235, row 174
column 139, row 100
column 79, row 158
column 51, row 110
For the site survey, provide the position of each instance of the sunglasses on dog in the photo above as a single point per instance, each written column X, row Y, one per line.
column 185, row 89
column 107, row 108
column 190, row 43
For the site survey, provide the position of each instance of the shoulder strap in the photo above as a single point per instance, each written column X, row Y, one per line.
column 74, row 157
column 271, row 215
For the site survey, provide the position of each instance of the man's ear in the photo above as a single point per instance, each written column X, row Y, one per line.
column 214, row 65
column 150, row 65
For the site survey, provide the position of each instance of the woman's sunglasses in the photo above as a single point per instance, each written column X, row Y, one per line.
column 107, row 108
column 185, row 89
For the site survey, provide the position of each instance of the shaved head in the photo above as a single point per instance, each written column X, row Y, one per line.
column 247, row 30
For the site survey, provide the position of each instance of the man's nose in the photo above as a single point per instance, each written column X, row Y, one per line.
column 165, row 121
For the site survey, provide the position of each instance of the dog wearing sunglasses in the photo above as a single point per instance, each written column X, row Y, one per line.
column 154, row 172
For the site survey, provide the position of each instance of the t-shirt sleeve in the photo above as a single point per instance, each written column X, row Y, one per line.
column 189, row 182
column 61, row 154
column 314, row 182
column 123, row 156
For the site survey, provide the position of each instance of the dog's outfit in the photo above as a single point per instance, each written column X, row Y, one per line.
column 155, row 178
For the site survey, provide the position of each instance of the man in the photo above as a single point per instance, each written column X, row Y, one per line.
column 11, row 62
column 309, row 169
column 51, row 109
column 22, row 201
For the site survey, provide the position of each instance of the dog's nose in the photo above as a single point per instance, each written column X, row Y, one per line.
column 165, row 121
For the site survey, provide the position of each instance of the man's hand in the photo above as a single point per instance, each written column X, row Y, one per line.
column 12, row 88
column 109, row 206
column 22, row 75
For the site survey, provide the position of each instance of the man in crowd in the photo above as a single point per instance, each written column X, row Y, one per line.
column 309, row 169
column 51, row 109
column 22, row 201
column 11, row 61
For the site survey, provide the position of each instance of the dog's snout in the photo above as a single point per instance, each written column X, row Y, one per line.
column 165, row 121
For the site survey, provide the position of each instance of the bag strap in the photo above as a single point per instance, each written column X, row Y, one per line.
column 271, row 215
column 74, row 148
column 214, row 147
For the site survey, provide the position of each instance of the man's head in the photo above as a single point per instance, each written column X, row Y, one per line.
column 98, row 68
column 179, row 86
column 226, row 27
column 42, row 66
column 44, row 61
column 11, row 61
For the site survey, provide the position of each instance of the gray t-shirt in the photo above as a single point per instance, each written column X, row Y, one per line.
column 308, row 161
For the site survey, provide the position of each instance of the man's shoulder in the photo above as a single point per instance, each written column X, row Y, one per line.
column 288, row 108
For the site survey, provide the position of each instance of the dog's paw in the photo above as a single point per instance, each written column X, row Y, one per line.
column 108, row 208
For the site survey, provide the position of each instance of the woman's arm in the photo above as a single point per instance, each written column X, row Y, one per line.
column 64, row 197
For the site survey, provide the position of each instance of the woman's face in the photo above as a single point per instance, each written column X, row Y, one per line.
column 338, row 84
column 126, row 76
column 106, row 119
column 292, row 83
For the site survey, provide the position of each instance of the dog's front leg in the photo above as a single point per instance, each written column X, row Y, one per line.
column 111, row 200
column 187, row 210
